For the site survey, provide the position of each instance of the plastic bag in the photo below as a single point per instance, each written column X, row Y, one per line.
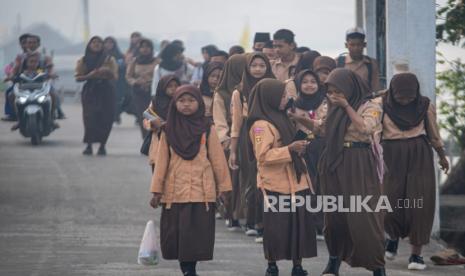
column 149, row 249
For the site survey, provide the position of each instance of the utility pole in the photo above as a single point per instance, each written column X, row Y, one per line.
column 85, row 5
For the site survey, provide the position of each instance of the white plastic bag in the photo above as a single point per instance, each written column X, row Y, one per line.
column 149, row 249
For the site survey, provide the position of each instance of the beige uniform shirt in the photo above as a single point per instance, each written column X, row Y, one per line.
column 220, row 118
column 281, row 69
column 360, row 67
column 429, row 128
column 274, row 163
column 197, row 180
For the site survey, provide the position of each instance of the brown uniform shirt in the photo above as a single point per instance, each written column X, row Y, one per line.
column 239, row 111
column 428, row 128
column 144, row 72
column 208, row 106
column 274, row 163
column 360, row 67
column 371, row 113
column 197, row 180
column 281, row 69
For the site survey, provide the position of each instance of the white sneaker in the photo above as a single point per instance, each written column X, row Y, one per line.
column 390, row 256
column 251, row 232
column 259, row 239
column 320, row 237
column 416, row 263
column 218, row 216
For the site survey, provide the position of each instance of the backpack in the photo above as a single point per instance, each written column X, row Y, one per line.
column 341, row 62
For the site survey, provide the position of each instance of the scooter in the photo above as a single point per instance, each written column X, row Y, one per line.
column 34, row 106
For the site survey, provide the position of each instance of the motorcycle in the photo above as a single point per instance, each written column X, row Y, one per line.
column 34, row 106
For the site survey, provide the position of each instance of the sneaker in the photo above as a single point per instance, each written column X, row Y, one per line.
column 226, row 222
column 391, row 249
column 234, row 226
column 272, row 271
column 332, row 268
column 259, row 238
column 379, row 272
column 319, row 235
column 218, row 216
column 416, row 263
column 298, row 271
column 250, row 231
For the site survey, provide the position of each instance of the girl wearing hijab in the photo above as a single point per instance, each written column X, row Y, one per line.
column 409, row 132
column 230, row 78
column 139, row 76
column 159, row 110
column 200, row 68
column 111, row 48
column 258, row 67
column 190, row 174
column 311, row 106
column 323, row 65
column 210, row 80
column 98, row 70
column 131, row 53
column 281, row 173
column 306, row 61
column 172, row 63
column 348, row 167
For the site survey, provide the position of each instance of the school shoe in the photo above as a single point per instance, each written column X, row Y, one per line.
column 298, row 271
column 272, row 270
column 391, row 249
column 259, row 238
column 416, row 263
column 250, row 231
column 332, row 268
column 102, row 151
column 379, row 272
column 87, row 151
column 319, row 235
column 234, row 226
column 218, row 216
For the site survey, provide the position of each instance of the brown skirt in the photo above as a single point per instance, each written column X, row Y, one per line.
column 289, row 235
column 356, row 238
column 410, row 182
column 98, row 110
column 187, row 232
column 248, row 180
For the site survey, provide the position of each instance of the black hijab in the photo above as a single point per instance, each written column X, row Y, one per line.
column 144, row 59
column 168, row 57
column 161, row 100
column 94, row 60
column 305, row 101
column 204, row 86
column 405, row 116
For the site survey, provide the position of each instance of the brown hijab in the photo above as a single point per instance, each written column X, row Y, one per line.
column 405, row 116
column 184, row 133
column 231, row 77
column 204, row 86
column 355, row 90
column 324, row 62
column 264, row 103
column 94, row 60
column 161, row 100
column 248, row 81
column 306, row 61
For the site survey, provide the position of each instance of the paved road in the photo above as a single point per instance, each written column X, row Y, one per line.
column 62, row 213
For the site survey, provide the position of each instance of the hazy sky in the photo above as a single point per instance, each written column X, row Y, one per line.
column 320, row 24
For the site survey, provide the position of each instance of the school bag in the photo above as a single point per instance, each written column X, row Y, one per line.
column 341, row 62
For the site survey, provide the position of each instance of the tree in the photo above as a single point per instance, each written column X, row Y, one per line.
column 451, row 82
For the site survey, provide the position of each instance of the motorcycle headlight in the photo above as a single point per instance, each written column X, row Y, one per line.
column 41, row 99
column 22, row 100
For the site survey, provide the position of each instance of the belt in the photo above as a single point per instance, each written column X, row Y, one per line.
column 356, row 145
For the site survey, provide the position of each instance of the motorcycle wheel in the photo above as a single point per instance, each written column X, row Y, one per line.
column 33, row 126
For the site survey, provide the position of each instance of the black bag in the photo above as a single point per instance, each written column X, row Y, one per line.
column 144, row 149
